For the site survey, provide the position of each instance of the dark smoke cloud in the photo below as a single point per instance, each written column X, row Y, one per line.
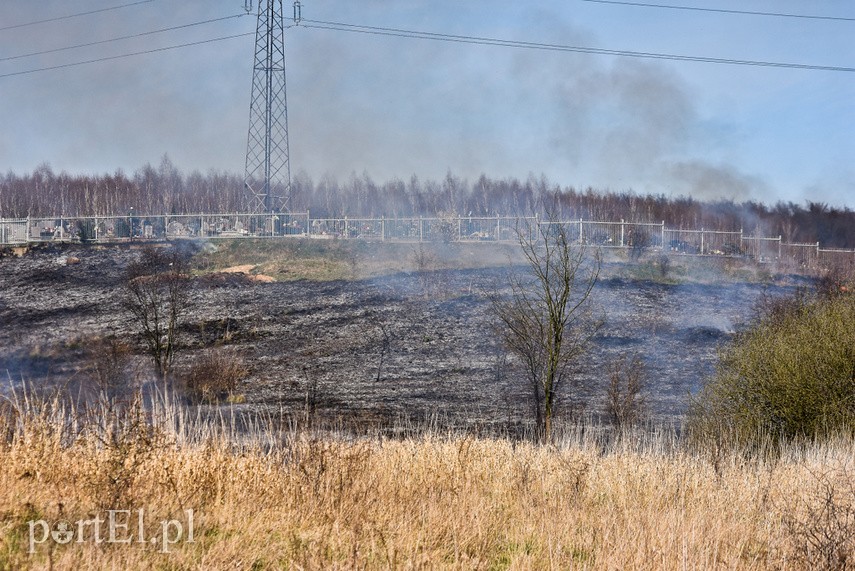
column 636, row 123
column 423, row 108
column 703, row 180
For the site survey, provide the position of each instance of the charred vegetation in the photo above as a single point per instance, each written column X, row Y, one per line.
column 373, row 349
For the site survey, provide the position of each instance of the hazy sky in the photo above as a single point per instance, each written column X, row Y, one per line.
column 394, row 107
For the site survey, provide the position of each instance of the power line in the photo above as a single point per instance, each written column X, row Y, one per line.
column 120, row 56
column 414, row 34
column 88, row 44
column 381, row 31
column 69, row 16
column 722, row 10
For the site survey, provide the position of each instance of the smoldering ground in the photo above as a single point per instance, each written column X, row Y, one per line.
column 411, row 344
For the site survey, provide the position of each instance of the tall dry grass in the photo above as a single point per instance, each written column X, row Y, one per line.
column 268, row 497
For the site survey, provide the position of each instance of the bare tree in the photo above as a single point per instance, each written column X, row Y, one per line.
column 546, row 321
column 626, row 402
column 157, row 296
column 385, row 343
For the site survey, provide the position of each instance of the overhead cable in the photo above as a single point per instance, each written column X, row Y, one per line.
column 120, row 56
column 141, row 34
column 397, row 32
column 723, row 10
column 69, row 16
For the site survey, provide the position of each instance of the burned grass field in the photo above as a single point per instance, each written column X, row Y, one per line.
column 402, row 349
column 387, row 333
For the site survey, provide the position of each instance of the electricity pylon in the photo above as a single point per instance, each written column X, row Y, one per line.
column 268, row 170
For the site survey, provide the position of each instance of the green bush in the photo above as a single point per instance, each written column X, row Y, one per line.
column 790, row 376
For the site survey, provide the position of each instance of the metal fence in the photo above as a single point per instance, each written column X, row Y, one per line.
column 633, row 236
column 100, row 229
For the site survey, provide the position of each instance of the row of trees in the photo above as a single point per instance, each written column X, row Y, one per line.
column 165, row 189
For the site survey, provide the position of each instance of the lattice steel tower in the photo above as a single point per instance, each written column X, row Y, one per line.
column 268, row 170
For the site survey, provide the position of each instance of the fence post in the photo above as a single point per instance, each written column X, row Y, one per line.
column 779, row 247
column 27, row 233
column 421, row 230
column 662, row 244
column 741, row 238
column 621, row 232
column 702, row 240
column 459, row 230
column 383, row 228
column 581, row 241
column 498, row 229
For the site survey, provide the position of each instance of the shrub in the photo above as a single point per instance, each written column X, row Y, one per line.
column 214, row 376
column 626, row 402
column 836, row 282
column 108, row 359
column 790, row 376
column 639, row 242
column 664, row 266
column 433, row 278
column 820, row 524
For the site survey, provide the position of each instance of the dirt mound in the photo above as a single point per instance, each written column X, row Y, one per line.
column 243, row 269
column 236, row 276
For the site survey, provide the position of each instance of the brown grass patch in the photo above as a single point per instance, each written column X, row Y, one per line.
column 269, row 499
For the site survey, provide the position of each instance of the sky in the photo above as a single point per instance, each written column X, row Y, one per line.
column 394, row 107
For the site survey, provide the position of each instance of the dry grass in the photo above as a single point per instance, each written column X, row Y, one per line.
column 272, row 499
column 214, row 376
column 326, row 260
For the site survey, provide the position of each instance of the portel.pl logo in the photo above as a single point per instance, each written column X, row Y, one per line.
column 117, row 526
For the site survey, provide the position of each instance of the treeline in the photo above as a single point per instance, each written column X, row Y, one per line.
column 166, row 190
